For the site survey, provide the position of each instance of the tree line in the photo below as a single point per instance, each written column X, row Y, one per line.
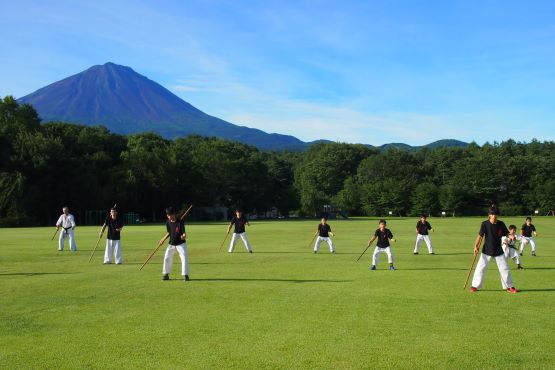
column 46, row 166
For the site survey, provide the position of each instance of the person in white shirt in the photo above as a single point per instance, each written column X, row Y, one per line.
column 67, row 223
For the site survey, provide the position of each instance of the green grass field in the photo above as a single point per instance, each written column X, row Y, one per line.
column 281, row 307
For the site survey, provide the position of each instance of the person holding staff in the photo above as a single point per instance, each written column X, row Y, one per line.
column 324, row 232
column 176, row 234
column 113, row 239
column 67, row 223
column 382, row 246
column 238, row 222
column 491, row 232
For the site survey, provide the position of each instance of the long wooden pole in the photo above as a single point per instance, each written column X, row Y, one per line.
column 55, row 232
column 470, row 270
column 359, row 257
column 312, row 241
column 165, row 236
column 223, row 242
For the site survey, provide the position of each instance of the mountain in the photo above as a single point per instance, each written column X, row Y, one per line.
column 127, row 102
column 445, row 143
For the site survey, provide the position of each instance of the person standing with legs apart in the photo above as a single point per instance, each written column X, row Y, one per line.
column 324, row 232
column 113, row 239
column 382, row 246
column 67, row 223
column 509, row 246
column 422, row 233
column 177, row 235
column 492, row 231
column 238, row 222
column 527, row 230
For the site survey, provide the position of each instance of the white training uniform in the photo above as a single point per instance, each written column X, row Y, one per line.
column 326, row 239
column 67, row 223
column 243, row 237
column 510, row 249
column 323, row 236
column 492, row 249
column 176, row 229
column 168, row 259
column 377, row 252
column 525, row 240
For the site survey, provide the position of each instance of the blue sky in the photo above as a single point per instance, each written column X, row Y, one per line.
column 355, row 71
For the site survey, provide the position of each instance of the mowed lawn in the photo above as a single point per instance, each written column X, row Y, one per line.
column 280, row 307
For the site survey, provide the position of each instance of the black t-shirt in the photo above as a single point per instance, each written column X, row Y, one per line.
column 527, row 230
column 239, row 224
column 423, row 227
column 324, row 230
column 112, row 225
column 492, row 234
column 383, row 237
column 175, row 229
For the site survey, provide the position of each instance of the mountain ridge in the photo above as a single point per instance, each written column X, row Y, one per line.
column 127, row 102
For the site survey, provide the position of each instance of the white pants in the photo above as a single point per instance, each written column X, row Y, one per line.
column 379, row 250
column 113, row 247
column 419, row 239
column 511, row 253
column 67, row 233
column 234, row 240
column 168, row 259
column 482, row 267
column 525, row 240
column 322, row 239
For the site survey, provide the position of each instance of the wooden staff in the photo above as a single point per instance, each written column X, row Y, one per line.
column 359, row 257
column 55, row 232
column 165, row 237
column 470, row 270
column 312, row 241
column 223, row 242
column 100, row 237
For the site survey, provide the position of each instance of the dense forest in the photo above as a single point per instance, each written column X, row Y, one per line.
column 46, row 166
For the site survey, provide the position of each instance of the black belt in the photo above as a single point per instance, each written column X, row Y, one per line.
column 66, row 229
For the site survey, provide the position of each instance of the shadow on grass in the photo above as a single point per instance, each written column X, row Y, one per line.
column 308, row 251
column 298, row 281
column 35, row 273
column 520, row 290
column 450, row 254
column 432, row 268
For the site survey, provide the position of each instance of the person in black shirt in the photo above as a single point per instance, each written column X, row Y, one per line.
column 492, row 231
column 176, row 234
column 422, row 228
column 526, row 231
column 238, row 222
column 323, row 232
column 382, row 246
column 113, row 239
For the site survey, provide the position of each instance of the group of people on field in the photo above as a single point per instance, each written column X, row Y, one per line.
column 499, row 241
